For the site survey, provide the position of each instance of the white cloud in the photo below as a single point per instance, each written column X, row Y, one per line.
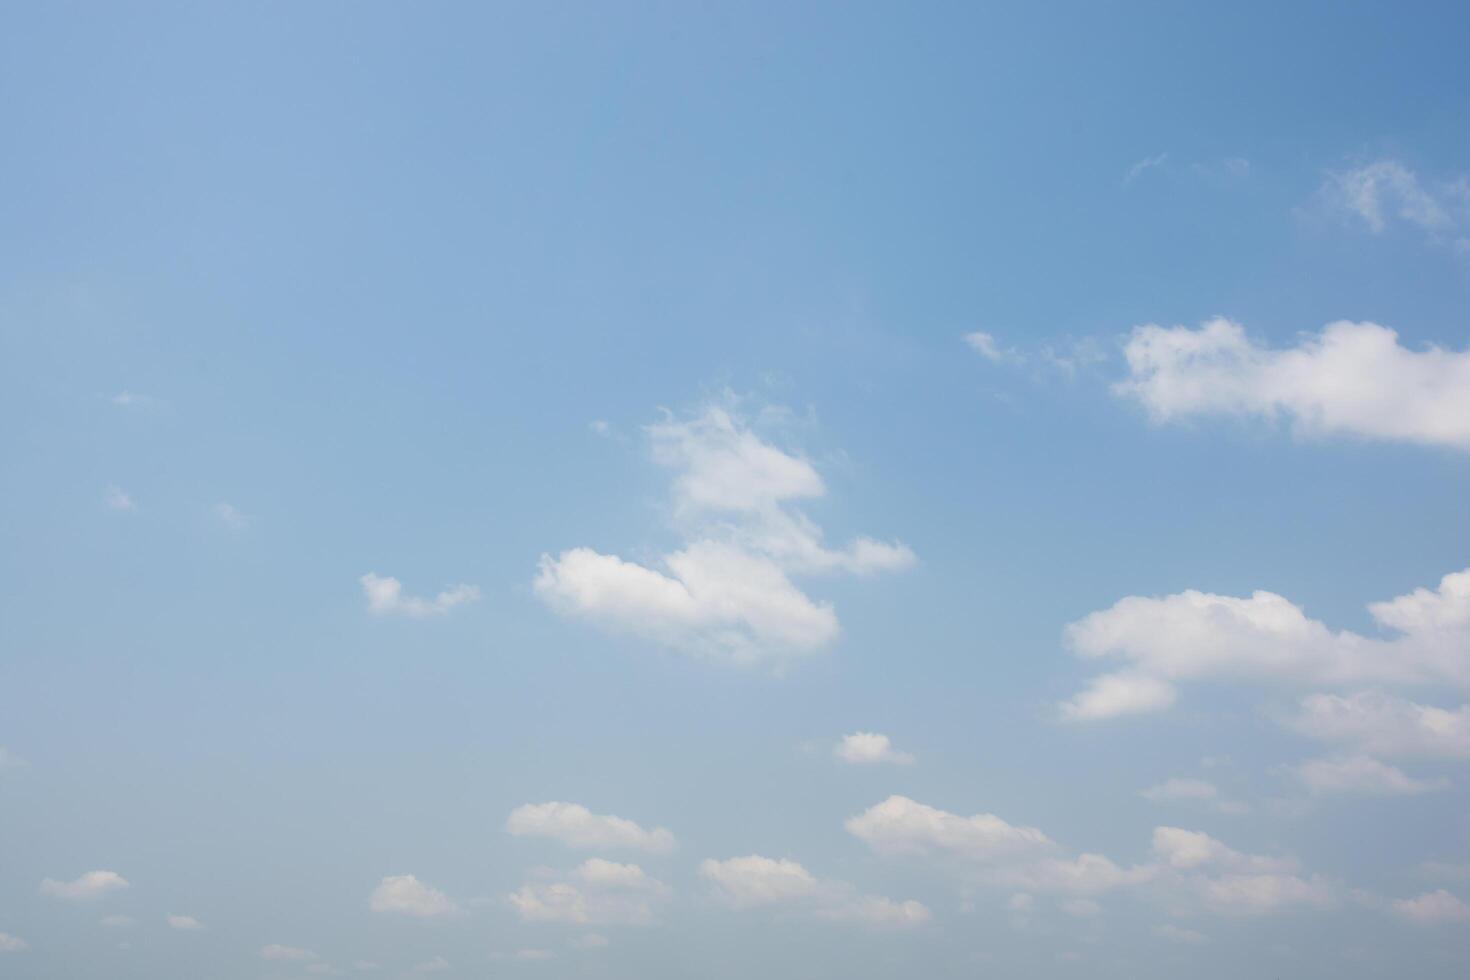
column 1433, row 908
column 385, row 597
column 185, row 923
column 986, row 346
column 756, row 881
column 576, row 826
column 1385, row 191
column 1384, row 725
column 1256, row 894
column 436, row 965
column 231, row 516
column 1361, row 776
column 1086, row 874
column 92, row 885
column 869, row 747
column 1144, row 165
column 900, row 825
column 1187, row 850
column 1194, row 636
column 728, row 592
column 1351, row 379
column 406, row 895
column 1178, row 934
column 598, row 892
column 12, row 944
column 115, row 498
column 276, row 951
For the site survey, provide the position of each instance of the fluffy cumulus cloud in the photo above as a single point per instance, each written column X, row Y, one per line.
column 1361, row 775
column 406, row 895
column 90, row 886
column 728, row 592
column 576, row 826
column 598, row 892
column 1433, row 908
column 1352, row 379
column 755, row 881
column 1197, row 636
column 385, row 598
column 900, row 825
column 866, row 748
column 1384, row 725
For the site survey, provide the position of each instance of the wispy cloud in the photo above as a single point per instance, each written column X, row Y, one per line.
column 385, row 598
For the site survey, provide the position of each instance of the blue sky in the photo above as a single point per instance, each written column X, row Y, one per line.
column 637, row 491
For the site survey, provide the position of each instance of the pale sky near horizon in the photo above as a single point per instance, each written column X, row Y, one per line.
column 640, row 491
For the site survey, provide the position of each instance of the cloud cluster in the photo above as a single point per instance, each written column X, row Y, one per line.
column 597, row 892
column 1199, row 636
column 755, row 881
column 406, row 895
column 1352, row 379
column 576, row 826
column 728, row 592
column 385, row 598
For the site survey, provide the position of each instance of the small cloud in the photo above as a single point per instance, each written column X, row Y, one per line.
column 231, row 516
column 12, row 944
column 866, row 748
column 385, row 597
column 276, row 951
column 437, row 965
column 92, row 885
column 1433, row 908
column 1362, row 776
column 600, row 426
column 1176, row 934
column 115, row 498
column 406, row 895
column 987, row 347
column 1143, row 166
column 186, row 923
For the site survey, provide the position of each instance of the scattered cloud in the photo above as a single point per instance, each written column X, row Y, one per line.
column 1186, row 790
column 1143, row 166
column 231, row 516
column 184, row 923
column 115, row 498
column 755, row 881
column 406, row 895
column 1361, row 776
column 275, row 951
column 728, row 592
column 385, row 598
column 1351, row 379
column 867, row 748
column 900, row 825
column 1385, row 193
column 1384, row 725
column 1433, row 908
column 1178, row 934
column 1199, row 636
column 598, row 892
column 90, row 886
column 12, row 944
column 989, row 348
column 576, row 826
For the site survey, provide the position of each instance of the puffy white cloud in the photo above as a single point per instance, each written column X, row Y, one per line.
column 1351, row 379
column 728, row 592
column 1086, row 874
column 275, row 951
column 1112, row 695
column 869, row 747
column 1193, row 636
column 90, row 886
column 12, row 944
column 1361, row 776
column 900, row 825
column 184, row 923
column 406, row 895
column 1186, row 850
column 576, row 826
column 385, row 598
column 1433, row 908
column 1179, row 789
column 598, row 892
column 1384, row 725
column 757, row 881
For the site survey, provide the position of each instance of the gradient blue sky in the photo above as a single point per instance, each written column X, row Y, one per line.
column 766, row 375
